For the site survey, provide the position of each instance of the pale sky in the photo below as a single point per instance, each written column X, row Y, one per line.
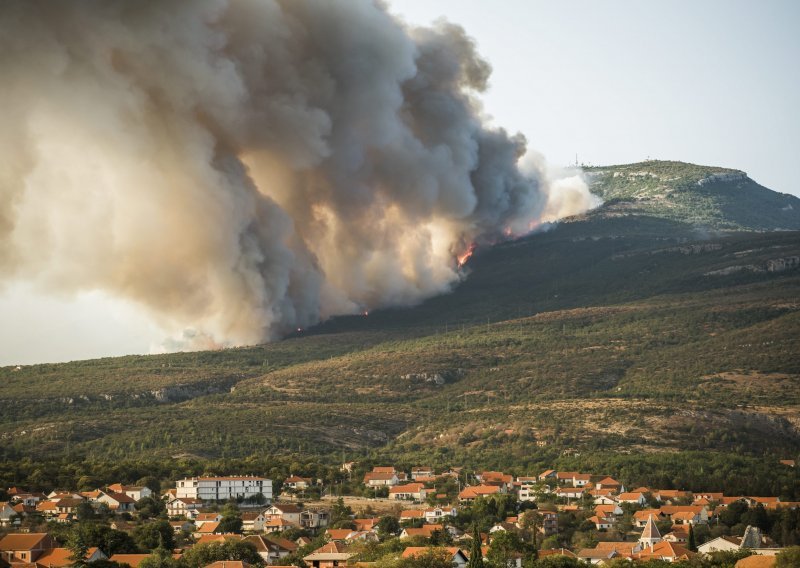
column 714, row 82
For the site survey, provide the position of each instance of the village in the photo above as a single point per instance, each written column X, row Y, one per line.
column 554, row 518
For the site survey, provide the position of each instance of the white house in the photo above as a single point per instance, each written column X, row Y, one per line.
column 285, row 512
column 253, row 521
column 224, row 488
column 436, row 514
column 408, row 492
column 133, row 491
column 185, row 506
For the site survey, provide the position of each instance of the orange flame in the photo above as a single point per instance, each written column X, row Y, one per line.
column 465, row 256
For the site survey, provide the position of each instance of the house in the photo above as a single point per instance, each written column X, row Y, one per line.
column 271, row 549
column 285, row 512
column 566, row 476
column 7, row 514
column 118, row 502
column 62, row 557
column 473, row 492
column 379, row 479
column 549, row 522
column 425, row 531
column 340, row 535
column 601, row 523
column 697, row 512
column 668, row 551
column 424, row 472
column 25, row 547
column 253, row 521
column 436, row 514
column 609, row 483
column 135, row 492
column 634, row 497
column 411, row 514
column 671, row 495
column 208, row 527
column 640, row 517
column 203, row 518
column 184, row 507
column 752, row 538
column 458, row 556
column 496, row 478
column 327, row 556
column 297, row 483
column 314, row 519
column 228, row 564
column 756, row 561
column 570, row 492
column 366, row 524
column 581, row 479
column 224, row 488
column 547, row 474
column 408, row 492
column 602, row 499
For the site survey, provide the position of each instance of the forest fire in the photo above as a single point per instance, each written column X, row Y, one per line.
column 466, row 255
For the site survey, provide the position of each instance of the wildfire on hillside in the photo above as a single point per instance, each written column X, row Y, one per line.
column 466, row 255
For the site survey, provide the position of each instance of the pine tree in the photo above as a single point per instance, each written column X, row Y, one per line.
column 692, row 543
column 475, row 553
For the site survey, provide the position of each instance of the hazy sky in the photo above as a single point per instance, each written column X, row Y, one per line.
column 715, row 82
column 711, row 82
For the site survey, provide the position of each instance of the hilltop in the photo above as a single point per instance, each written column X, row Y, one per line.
column 716, row 198
column 613, row 334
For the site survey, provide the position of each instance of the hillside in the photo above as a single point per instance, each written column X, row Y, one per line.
column 717, row 198
column 626, row 334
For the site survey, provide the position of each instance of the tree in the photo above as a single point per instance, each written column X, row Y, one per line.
column 475, row 553
column 231, row 520
column 503, row 548
column 102, row 536
column 79, row 549
column 204, row 554
column 692, row 543
column 85, row 511
column 147, row 507
column 388, row 525
column 340, row 512
column 789, row 557
column 150, row 535
column 432, row 558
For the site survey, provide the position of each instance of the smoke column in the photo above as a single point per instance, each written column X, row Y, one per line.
column 245, row 168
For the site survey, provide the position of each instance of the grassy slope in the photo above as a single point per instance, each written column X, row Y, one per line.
column 600, row 334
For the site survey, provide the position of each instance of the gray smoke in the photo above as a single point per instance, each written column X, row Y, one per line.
column 244, row 168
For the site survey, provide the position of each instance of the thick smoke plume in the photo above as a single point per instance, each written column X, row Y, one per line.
column 244, row 168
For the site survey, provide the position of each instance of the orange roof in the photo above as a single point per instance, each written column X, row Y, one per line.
column 407, row 488
column 209, row 528
column 58, row 557
column 206, row 538
column 388, row 469
column 756, row 561
column 413, row 551
column 425, row 530
column 21, row 541
column 338, row 534
column 665, row 549
column 412, row 514
column 207, row 516
column 228, row 564
column 477, row 490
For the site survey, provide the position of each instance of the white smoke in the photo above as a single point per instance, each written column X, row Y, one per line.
column 245, row 168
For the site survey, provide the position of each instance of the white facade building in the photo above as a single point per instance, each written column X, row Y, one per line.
column 223, row 488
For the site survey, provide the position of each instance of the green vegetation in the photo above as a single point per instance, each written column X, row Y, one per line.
column 606, row 343
column 717, row 198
